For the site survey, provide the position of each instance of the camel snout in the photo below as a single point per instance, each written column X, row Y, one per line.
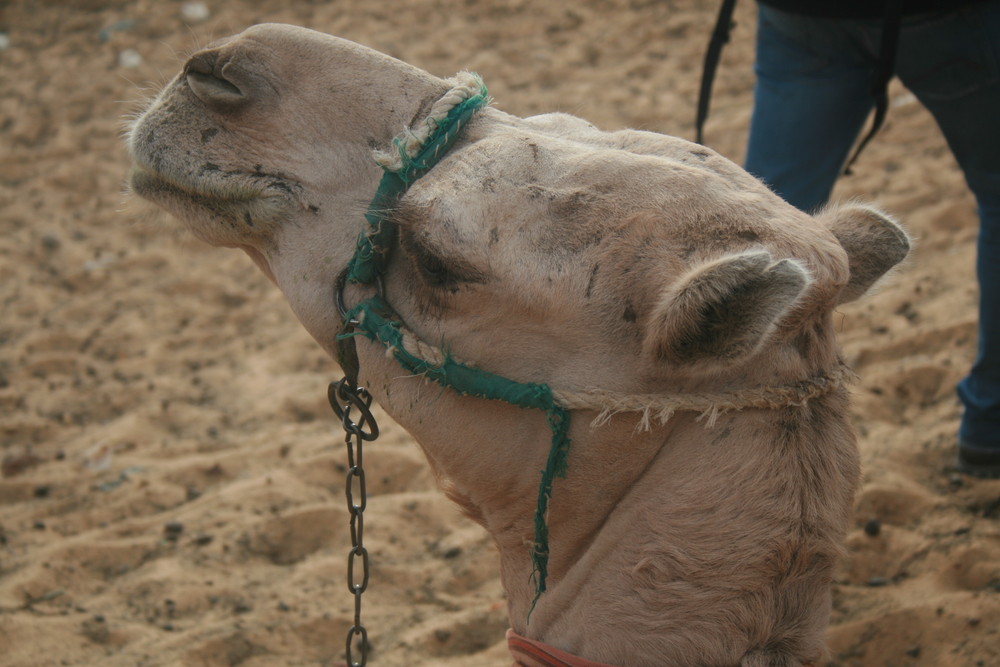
column 215, row 80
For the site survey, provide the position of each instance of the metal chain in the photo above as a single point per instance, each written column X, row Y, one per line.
column 344, row 397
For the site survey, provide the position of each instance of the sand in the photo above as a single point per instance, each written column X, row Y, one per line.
column 172, row 476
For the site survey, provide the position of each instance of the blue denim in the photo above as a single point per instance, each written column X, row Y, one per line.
column 811, row 100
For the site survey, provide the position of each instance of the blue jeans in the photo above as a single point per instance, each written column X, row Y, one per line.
column 811, row 100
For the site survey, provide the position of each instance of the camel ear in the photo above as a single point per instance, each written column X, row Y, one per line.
column 725, row 309
column 874, row 243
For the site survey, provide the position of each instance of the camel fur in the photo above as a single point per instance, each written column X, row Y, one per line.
column 545, row 250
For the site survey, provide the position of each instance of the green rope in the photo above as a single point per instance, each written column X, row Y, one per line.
column 378, row 322
column 555, row 466
column 374, row 245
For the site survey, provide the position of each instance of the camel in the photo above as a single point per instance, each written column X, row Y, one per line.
column 710, row 469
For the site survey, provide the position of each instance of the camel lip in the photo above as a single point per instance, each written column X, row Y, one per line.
column 212, row 184
column 247, row 197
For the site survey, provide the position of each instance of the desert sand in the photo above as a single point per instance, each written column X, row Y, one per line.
column 172, row 487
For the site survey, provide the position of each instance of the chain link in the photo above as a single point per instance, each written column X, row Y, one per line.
column 345, row 397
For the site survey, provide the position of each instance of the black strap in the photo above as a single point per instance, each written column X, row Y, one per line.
column 883, row 73
column 880, row 81
column 720, row 36
column 347, row 349
column 347, row 355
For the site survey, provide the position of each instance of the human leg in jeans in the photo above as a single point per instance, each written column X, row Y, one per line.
column 811, row 99
column 952, row 65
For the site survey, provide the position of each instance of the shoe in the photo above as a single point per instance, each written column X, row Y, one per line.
column 982, row 462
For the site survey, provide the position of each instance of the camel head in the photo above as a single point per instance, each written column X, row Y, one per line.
column 264, row 142
column 546, row 251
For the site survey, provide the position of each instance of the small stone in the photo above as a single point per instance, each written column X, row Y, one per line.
column 876, row 582
column 173, row 530
column 96, row 630
column 913, row 651
column 16, row 464
column 873, row 527
column 442, row 635
column 129, row 59
column 123, row 25
column 195, row 12
column 38, row 525
column 992, row 509
column 4, row 41
column 202, row 540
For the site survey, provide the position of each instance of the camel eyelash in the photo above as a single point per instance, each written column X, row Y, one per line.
column 436, row 271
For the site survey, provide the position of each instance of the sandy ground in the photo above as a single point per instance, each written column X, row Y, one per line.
column 172, row 476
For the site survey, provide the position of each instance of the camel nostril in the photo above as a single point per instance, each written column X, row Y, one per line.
column 204, row 76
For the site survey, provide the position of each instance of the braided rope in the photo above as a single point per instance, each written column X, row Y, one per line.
column 710, row 405
column 416, row 151
column 466, row 85
column 660, row 406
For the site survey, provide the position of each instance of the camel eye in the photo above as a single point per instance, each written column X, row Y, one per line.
column 434, row 270
column 431, row 268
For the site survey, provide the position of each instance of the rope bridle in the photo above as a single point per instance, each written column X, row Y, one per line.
column 416, row 152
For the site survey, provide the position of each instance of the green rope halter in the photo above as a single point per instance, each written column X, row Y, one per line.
column 375, row 319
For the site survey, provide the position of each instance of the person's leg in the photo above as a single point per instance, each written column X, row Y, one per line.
column 952, row 65
column 979, row 391
column 811, row 98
